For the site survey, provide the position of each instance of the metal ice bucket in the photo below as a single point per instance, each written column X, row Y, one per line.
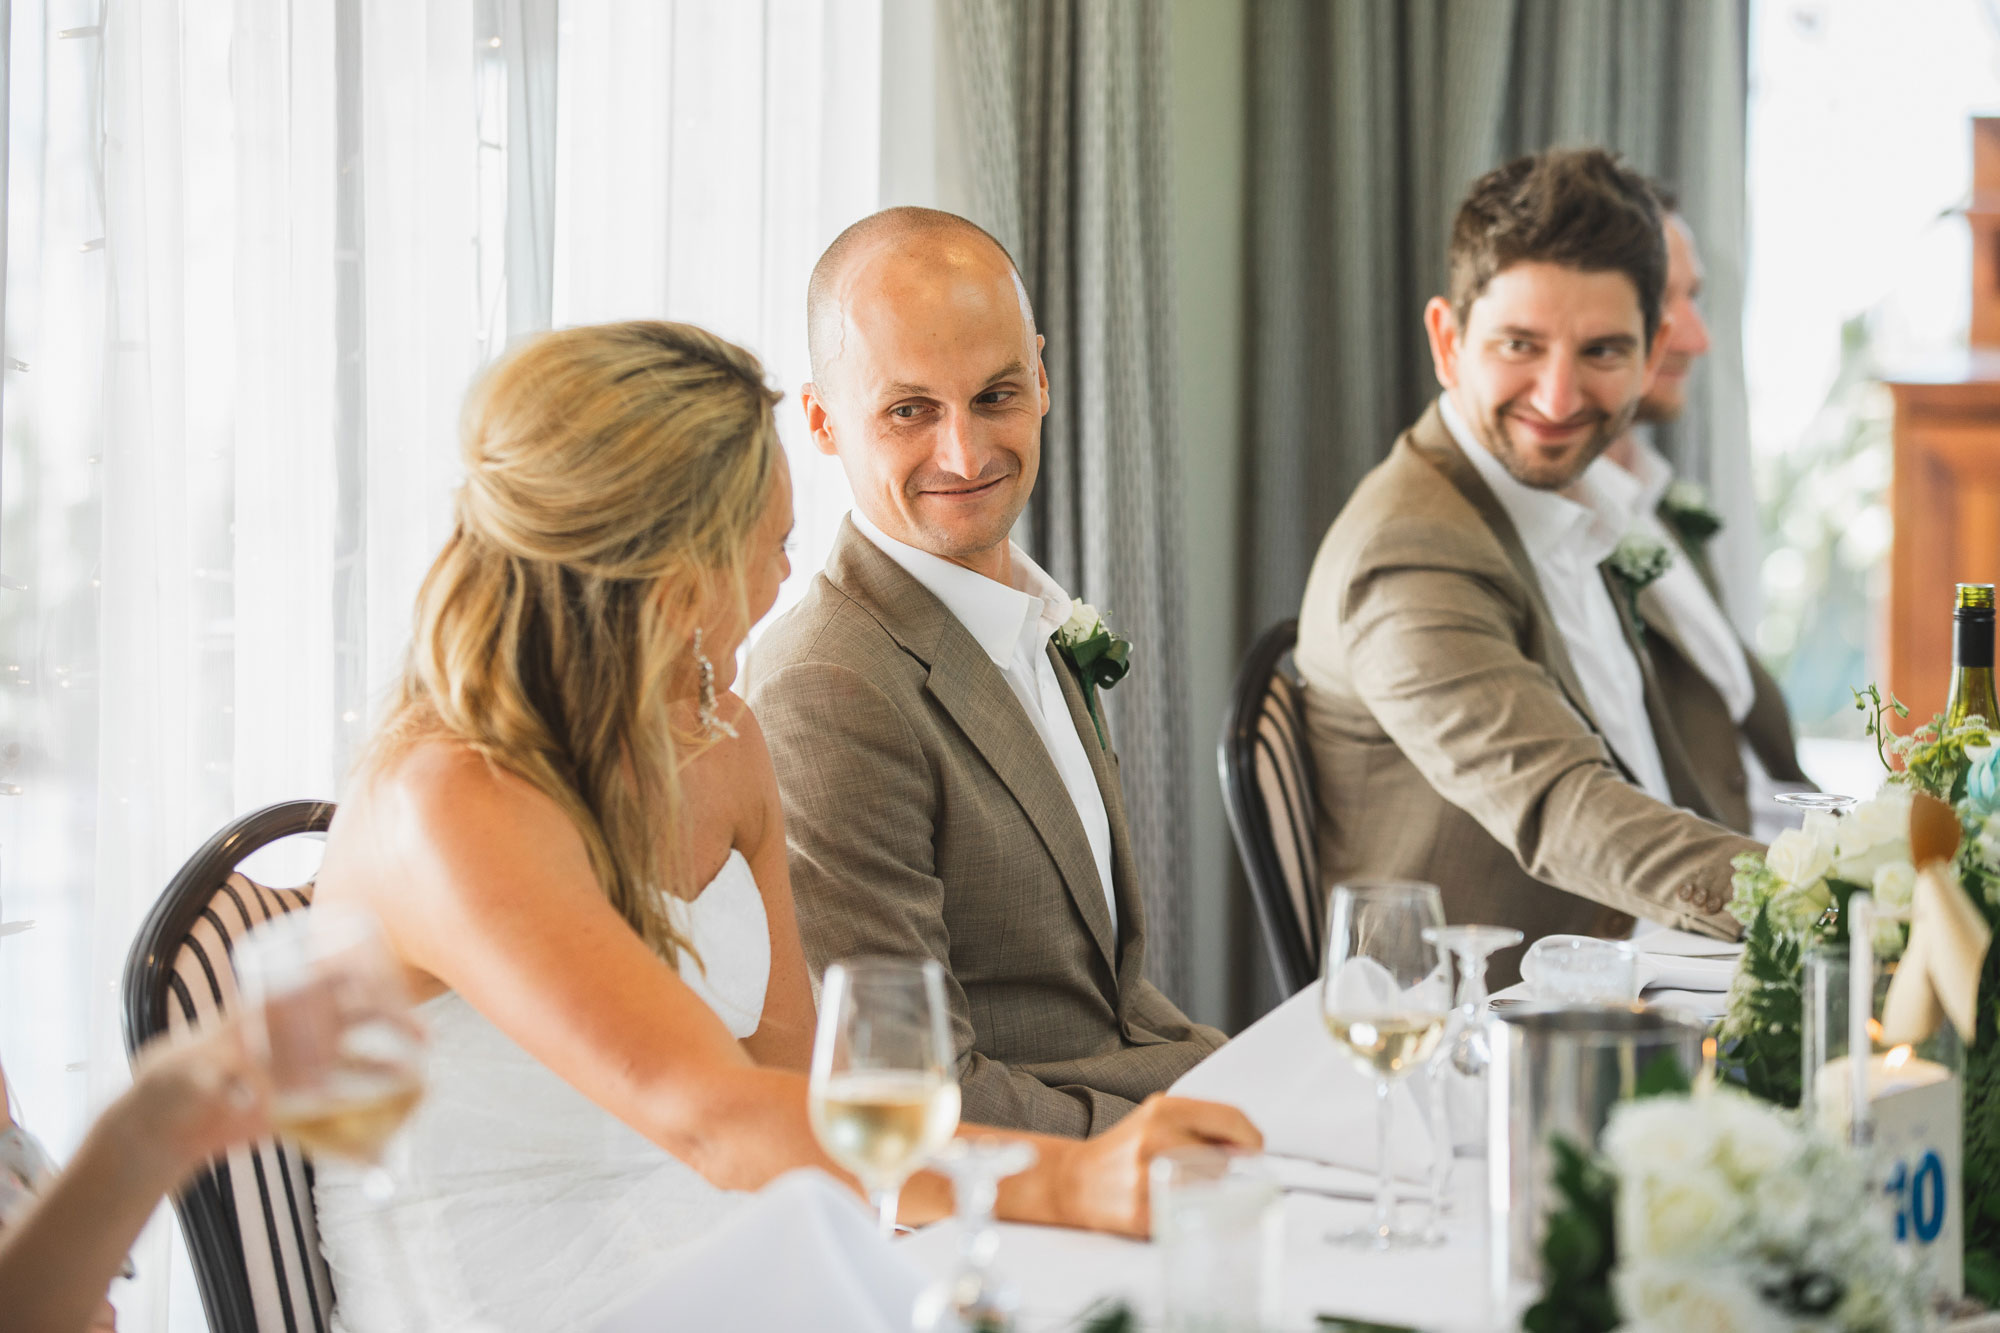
column 1560, row 1069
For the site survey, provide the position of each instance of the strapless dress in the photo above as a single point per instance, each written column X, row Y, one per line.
column 520, row 1204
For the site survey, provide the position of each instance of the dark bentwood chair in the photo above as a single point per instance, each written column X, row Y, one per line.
column 1268, row 792
column 248, row 1220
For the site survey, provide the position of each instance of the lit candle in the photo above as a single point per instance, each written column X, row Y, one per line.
column 1880, row 1075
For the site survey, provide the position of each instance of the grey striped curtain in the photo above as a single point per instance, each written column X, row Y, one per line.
column 1368, row 120
column 1065, row 112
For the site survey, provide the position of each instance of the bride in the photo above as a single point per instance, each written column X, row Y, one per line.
column 572, row 836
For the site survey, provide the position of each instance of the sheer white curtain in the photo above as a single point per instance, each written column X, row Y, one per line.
column 254, row 254
column 706, row 154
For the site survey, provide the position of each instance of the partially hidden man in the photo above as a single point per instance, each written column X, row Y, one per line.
column 947, row 794
column 1729, row 711
column 1480, row 701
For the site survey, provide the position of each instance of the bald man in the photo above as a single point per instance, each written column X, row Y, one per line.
column 946, row 794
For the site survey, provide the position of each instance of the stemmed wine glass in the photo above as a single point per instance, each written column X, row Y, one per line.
column 884, row 1087
column 1385, row 995
column 326, row 1015
column 974, row 1299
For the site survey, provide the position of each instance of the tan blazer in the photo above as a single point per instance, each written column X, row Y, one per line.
column 926, row 819
column 1453, row 739
column 1708, row 732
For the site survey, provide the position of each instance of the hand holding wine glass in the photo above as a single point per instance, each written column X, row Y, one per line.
column 328, row 1021
column 1386, row 998
column 884, row 1087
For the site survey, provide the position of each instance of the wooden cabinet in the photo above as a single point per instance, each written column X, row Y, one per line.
column 1945, row 492
column 1945, row 499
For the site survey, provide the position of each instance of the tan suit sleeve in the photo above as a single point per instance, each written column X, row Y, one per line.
column 860, row 816
column 1435, row 658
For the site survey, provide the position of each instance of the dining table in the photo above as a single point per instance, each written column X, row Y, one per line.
column 1316, row 1110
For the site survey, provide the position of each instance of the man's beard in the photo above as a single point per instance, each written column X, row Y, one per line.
column 1516, row 459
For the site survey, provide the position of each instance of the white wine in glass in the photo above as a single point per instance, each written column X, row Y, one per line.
column 884, row 1088
column 881, row 1125
column 354, row 1116
column 1389, row 1045
column 1385, row 996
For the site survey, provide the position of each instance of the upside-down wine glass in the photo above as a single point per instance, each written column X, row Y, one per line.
column 884, row 1087
column 1386, row 998
column 1466, row 1049
column 974, row 1299
column 1470, row 947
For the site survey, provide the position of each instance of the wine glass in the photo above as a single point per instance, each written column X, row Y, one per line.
column 1471, row 946
column 1809, row 801
column 1385, row 995
column 884, row 1087
column 327, row 1017
column 973, row 1299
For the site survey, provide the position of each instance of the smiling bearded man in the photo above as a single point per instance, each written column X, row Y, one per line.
column 947, row 793
column 1478, row 694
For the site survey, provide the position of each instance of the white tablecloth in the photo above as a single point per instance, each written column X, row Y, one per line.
column 1061, row 1273
column 1309, row 1100
column 1285, row 1074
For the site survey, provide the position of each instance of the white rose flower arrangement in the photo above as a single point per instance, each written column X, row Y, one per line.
column 1790, row 897
column 1794, row 897
column 1723, row 1214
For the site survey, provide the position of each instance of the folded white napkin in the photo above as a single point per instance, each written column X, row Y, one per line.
column 1659, row 971
column 1685, row 944
column 1307, row 1097
column 803, row 1254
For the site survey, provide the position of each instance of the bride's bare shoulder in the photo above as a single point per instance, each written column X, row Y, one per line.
column 439, row 791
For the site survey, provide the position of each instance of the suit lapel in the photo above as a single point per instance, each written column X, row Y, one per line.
column 1768, row 725
column 1432, row 440
column 1103, row 767
column 972, row 690
column 1682, row 781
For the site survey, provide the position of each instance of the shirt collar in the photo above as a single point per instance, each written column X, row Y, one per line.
column 1584, row 518
column 1000, row 618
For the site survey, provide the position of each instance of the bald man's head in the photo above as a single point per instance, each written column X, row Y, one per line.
column 928, row 382
column 908, row 229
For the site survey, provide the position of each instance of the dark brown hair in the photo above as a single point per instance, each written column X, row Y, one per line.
column 1578, row 207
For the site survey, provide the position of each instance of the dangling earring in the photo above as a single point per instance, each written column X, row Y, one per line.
column 712, row 725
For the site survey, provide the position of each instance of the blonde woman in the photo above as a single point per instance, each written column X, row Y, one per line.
column 550, row 862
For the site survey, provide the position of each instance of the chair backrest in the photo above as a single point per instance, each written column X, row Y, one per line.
column 1268, row 792
column 248, row 1220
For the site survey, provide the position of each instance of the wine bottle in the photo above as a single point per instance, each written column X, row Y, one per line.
column 1972, row 657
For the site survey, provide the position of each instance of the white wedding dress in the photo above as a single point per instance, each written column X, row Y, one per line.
column 520, row 1203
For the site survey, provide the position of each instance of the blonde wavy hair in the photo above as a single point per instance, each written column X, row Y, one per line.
column 613, row 476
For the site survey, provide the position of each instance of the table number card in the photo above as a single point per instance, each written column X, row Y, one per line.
column 1919, row 1143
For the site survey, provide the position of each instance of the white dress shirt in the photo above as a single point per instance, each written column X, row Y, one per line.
column 1013, row 626
column 1567, row 535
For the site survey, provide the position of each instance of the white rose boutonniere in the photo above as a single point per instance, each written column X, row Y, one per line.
column 1099, row 657
column 1635, row 562
column 1685, row 509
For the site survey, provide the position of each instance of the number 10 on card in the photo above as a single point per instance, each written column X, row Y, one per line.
column 1918, row 1145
